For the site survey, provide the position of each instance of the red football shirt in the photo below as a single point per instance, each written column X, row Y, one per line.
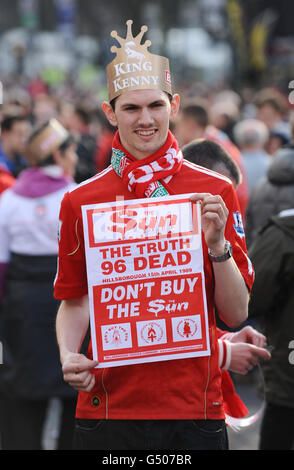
column 178, row 389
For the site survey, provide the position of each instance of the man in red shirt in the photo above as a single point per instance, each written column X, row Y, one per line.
column 156, row 405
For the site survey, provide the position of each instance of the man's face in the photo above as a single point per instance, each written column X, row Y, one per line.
column 15, row 138
column 142, row 118
column 67, row 160
column 270, row 116
column 186, row 129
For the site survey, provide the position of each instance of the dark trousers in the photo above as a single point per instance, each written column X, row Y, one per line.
column 150, row 435
column 277, row 428
column 22, row 424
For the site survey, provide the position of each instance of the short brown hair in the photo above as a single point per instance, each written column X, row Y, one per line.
column 212, row 155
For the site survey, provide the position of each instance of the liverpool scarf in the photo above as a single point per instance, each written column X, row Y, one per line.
column 148, row 177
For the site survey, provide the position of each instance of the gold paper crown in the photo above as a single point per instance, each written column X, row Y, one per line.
column 44, row 141
column 134, row 67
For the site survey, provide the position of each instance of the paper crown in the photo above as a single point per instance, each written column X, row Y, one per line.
column 44, row 141
column 134, row 67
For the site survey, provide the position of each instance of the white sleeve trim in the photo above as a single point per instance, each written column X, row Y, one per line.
column 229, row 355
column 224, row 347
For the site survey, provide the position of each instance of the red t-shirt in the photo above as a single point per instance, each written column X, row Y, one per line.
column 178, row 389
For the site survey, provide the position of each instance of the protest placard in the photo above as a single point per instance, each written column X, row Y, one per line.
column 146, row 280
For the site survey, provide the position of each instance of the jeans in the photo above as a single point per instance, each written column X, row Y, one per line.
column 150, row 435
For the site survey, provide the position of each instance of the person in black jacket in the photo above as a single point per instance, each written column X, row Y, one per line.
column 273, row 194
column 272, row 304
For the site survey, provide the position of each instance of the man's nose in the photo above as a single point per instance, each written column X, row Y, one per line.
column 145, row 118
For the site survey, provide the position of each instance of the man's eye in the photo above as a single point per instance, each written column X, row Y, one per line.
column 157, row 105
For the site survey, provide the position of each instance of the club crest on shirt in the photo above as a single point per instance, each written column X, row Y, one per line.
column 238, row 225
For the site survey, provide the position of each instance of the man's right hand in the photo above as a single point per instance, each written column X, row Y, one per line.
column 76, row 370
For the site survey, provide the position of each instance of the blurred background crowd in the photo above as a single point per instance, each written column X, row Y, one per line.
column 232, row 63
column 231, row 58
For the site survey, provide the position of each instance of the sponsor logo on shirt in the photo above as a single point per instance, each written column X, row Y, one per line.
column 238, row 225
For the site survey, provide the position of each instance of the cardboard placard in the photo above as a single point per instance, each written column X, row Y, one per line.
column 146, row 280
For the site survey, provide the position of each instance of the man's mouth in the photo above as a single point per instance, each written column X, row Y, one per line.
column 145, row 132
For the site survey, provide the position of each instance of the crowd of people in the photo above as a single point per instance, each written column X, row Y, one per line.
column 251, row 126
column 246, row 136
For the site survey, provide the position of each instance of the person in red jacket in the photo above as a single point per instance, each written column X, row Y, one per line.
column 163, row 404
column 6, row 179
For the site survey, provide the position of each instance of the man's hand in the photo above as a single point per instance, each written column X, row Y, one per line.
column 244, row 356
column 76, row 370
column 249, row 335
column 214, row 214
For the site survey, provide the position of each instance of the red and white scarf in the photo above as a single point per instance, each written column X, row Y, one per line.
column 148, row 177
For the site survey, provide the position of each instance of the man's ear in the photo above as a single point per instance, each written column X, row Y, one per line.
column 175, row 106
column 109, row 113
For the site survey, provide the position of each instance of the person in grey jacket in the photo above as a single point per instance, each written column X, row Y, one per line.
column 251, row 136
column 272, row 304
column 273, row 194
